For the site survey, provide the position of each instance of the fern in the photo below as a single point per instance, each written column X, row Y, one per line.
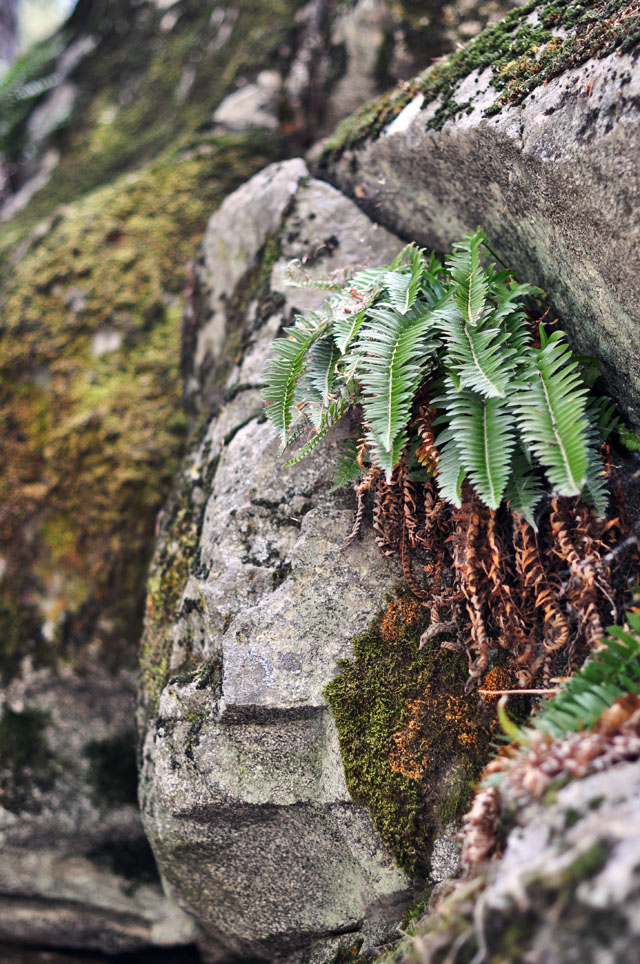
column 629, row 439
column 471, row 282
column 283, row 372
column 323, row 356
column 451, row 473
column 609, row 674
column 397, row 350
column 524, row 489
column 484, row 433
column 331, row 417
column 348, row 465
column 511, row 413
column 481, row 357
column 551, row 414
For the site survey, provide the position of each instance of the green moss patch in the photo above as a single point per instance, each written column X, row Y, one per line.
column 530, row 46
column 412, row 742
column 92, row 424
column 112, row 770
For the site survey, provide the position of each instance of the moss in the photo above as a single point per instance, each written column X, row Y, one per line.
column 112, row 770
column 412, row 742
column 116, row 125
column 91, row 439
column 26, row 762
column 20, row 637
column 587, row 865
column 520, row 54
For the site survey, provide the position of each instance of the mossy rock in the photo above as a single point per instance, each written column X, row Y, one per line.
column 90, row 382
column 534, row 43
column 412, row 741
column 151, row 81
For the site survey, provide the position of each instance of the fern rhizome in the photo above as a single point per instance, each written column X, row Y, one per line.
column 479, row 445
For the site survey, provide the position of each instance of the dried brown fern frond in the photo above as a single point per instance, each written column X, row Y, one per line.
column 493, row 579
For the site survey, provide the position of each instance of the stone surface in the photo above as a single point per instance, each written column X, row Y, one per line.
column 76, row 870
column 564, row 890
column 254, row 105
column 573, row 866
column 554, row 182
column 242, row 789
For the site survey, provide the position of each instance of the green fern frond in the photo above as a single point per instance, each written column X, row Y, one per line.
column 383, row 459
column 282, row 372
column 602, row 415
column 346, row 326
column 629, row 439
column 481, row 357
column 331, row 417
column 396, row 351
column 471, row 281
column 451, row 473
column 368, row 279
column 323, row 357
column 348, row 468
column 524, row 489
column 484, row 433
column 609, row 674
column 551, row 414
column 402, row 283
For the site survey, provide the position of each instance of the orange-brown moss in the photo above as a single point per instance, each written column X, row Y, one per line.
column 412, row 742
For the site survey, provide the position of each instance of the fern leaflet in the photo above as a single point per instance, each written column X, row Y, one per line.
column 551, row 414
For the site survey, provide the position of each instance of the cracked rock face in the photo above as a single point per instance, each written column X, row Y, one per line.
column 554, row 182
column 242, row 790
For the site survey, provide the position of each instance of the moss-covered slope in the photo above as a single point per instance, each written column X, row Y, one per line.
column 92, row 421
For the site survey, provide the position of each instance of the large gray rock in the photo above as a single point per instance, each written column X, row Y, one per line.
column 242, row 788
column 554, row 181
